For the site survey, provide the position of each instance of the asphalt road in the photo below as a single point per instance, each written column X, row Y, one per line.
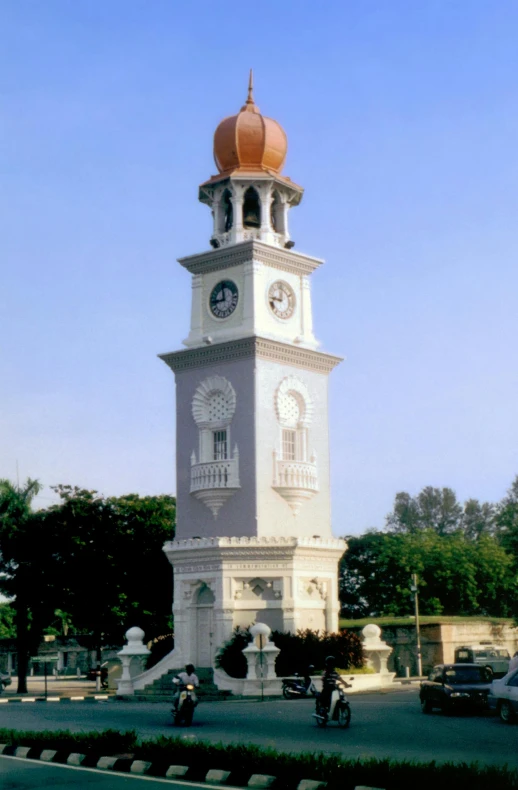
column 16, row 774
column 383, row 725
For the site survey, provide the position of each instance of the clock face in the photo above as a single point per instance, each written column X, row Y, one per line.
column 223, row 299
column 281, row 299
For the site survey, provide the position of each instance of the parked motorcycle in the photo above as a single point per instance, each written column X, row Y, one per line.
column 187, row 701
column 298, row 688
column 5, row 680
column 339, row 709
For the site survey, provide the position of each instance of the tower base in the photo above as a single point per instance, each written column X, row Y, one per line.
column 222, row 583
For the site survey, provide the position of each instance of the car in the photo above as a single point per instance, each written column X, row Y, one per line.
column 503, row 697
column 485, row 654
column 452, row 687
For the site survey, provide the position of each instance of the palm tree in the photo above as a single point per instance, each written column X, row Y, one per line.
column 16, row 553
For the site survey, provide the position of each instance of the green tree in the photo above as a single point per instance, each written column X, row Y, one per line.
column 7, row 629
column 478, row 519
column 456, row 575
column 112, row 570
column 433, row 508
column 25, row 562
column 507, row 521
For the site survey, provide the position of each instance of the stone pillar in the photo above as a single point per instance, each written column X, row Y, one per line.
column 376, row 651
column 135, row 647
column 261, row 654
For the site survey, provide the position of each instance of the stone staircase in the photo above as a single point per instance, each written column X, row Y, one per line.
column 163, row 689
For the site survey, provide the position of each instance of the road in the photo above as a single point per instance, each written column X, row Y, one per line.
column 383, row 725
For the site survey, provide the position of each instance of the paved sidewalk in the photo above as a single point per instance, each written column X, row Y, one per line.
column 69, row 688
column 62, row 687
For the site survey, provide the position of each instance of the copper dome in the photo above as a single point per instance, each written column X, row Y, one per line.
column 249, row 142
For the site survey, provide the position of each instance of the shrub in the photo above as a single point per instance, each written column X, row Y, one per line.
column 230, row 657
column 356, row 671
column 289, row 769
column 312, row 647
column 297, row 651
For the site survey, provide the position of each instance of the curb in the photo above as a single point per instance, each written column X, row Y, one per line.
column 126, row 764
column 78, row 698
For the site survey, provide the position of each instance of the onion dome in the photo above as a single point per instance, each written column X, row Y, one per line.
column 249, row 142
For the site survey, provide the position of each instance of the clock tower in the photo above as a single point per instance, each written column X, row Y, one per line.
column 253, row 539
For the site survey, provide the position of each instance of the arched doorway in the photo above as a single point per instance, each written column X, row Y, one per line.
column 204, row 626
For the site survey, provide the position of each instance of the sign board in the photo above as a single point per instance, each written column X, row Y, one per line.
column 46, row 658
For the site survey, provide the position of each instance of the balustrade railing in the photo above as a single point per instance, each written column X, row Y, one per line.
column 215, row 474
column 295, row 474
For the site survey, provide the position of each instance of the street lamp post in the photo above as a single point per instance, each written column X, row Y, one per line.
column 47, row 638
column 414, row 590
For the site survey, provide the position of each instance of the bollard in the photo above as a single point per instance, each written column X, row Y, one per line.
column 407, row 672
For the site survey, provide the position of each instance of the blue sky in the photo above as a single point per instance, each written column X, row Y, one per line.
column 402, row 120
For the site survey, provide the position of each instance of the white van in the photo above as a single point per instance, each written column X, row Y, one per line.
column 494, row 657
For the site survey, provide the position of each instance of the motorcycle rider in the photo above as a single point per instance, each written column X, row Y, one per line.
column 188, row 677
column 330, row 679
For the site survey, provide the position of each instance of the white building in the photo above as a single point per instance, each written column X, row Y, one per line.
column 253, row 539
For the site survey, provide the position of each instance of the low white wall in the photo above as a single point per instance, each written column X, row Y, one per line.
column 243, row 687
column 147, row 677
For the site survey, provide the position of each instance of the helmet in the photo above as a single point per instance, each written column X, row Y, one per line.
column 311, row 668
column 330, row 662
column 189, row 668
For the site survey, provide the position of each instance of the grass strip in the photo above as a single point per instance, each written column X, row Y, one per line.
column 290, row 769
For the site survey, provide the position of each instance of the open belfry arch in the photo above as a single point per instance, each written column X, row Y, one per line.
column 253, row 537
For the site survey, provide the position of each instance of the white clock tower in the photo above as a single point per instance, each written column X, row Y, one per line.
column 253, row 539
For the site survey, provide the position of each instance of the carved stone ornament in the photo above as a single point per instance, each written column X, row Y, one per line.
column 214, row 402
column 293, row 396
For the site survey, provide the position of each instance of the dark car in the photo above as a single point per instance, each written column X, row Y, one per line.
column 453, row 687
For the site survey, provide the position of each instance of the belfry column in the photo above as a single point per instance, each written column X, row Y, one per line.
column 252, row 441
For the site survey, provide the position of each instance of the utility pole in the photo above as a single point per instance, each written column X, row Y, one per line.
column 414, row 589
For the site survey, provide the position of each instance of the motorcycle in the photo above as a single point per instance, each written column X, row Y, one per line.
column 300, row 687
column 187, row 701
column 5, row 680
column 339, row 709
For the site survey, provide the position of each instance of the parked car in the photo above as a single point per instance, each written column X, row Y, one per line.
column 503, row 697
column 453, row 687
column 494, row 657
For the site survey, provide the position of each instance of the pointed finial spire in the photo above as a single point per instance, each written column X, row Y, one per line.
column 250, row 98
column 250, row 105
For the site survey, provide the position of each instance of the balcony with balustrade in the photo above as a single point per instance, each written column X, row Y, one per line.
column 213, row 482
column 295, row 481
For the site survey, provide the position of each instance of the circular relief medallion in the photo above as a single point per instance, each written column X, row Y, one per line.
column 281, row 299
column 223, row 299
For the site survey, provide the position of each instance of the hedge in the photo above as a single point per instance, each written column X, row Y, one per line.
column 298, row 651
column 290, row 769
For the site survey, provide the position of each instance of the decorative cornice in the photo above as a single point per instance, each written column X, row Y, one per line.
column 255, row 541
column 249, row 347
column 238, row 254
column 253, row 550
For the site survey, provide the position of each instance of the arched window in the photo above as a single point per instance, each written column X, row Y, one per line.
column 213, row 407
column 227, row 210
column 276, row 214
column 251, row 209
column 294, row 411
